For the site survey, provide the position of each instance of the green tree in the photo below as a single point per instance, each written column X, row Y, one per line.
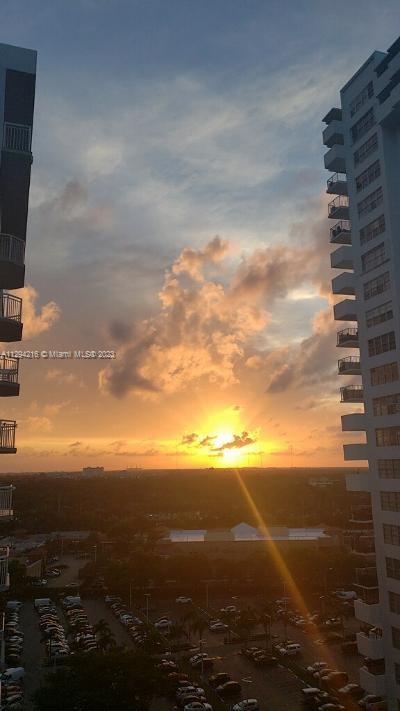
column 100, row 682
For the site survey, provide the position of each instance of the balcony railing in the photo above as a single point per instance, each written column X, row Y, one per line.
column 17, row 137
column 366, row 577
column 339, row 207
column 347, row 336
column 11, row 307
column 8, row 370
column 341, row 233
column 352, row 393
column 337, row 184
column 350, row 364
column 7, row 434
column 12, row 249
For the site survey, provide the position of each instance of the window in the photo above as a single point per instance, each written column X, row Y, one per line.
column 390, row 501
column 397, row 677
column 394, row 602
column 370, row 202
column 376, row 286
column 396, row 637
column 374, row 257
column 368, row 176
column 361, row 98
column 362, row 126
column 366, row 149
column 393, row 568
column 383, row 374
column 387, row 436
column 379, row 314
column 386, row 405
column 389, row 468
column 391, row 534
column 373, row 229
column 381, row 344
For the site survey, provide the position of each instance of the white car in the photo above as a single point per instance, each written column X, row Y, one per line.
column 197, row 706
column 290, row 650
column 197, row 657
column 163, row 624
column 247, row 705
column 218, row 627
column 317, row 666
column 189, row 691
column 183, row 601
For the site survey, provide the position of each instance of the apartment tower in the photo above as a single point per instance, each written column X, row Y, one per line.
column 363, row 138
column 17, row 93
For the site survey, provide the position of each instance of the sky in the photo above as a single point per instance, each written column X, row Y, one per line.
column 178, row 219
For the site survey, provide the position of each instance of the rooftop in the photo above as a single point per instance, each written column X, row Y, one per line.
column 244, row 532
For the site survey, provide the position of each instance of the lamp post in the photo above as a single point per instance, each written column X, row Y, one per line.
column 201, row 644
column 147, row 596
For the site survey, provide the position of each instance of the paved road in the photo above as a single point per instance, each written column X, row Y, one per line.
column 69, row 574
column 33, row 653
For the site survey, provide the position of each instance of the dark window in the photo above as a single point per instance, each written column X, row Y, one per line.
column 373, row 229
column 390, row 501
column 381, row 344
column 387, row 436
column 376, row 286
column 389, row 468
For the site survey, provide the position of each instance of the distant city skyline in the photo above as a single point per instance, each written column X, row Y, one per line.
column 178, row 217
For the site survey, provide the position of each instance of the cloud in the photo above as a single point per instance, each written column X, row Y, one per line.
column 199, row 333
column 36, row 319
column 38, row 424
column 237, row 442
column 57, row 376
column 189, row 438
column 192, row 261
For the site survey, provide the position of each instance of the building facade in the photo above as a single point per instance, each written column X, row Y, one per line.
column 17, row 95
column 363, row 141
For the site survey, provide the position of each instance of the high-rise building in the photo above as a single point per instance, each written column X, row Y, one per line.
column 17, row 95
column 363, row 138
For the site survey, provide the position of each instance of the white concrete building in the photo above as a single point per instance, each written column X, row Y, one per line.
column 363, row 141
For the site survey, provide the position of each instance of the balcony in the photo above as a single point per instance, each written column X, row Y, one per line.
column 4, row 576
column 10, row 318
column 361, row 515
column 349, row 366
column 352, row 393
column 370, row 613
column 344, row 284
column 358, row 481
column 12, row 269
column 338, row 209
column 370, row 645
column 354, row 422
column 372, row 683
column 332, row 135
column 355, row 452
column 341, row 232
column 348, row 337
column 345, row 310
column 366, row 578
column 364, row 545
column 7, row 436
column 334, row 159
column 342, row 258
column 337, row 184
column 17, row 138
column 9, row 385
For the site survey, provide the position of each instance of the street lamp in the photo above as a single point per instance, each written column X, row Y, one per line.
column 147, row 596
column 201, row 644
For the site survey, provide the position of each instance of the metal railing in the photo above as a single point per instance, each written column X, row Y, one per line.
column 336, row 178
column 343, row 226
column 337, row 203
column 12, row 249
column 7, row 434
column 11, row 307
column 347, row 334
column 9, row 369
column 17, row 137
column 348, row 363
column 352, row 393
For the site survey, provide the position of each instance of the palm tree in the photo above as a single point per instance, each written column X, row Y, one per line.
column 198, row 625
column 246, row 622
column 177, row 631
column 105, row 638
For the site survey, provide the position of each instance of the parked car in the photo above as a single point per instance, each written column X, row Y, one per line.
column 218, row 627
column 197, row 706
column 230, row 688
column 182, row 600
column 247, row 705
column 219, row 679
